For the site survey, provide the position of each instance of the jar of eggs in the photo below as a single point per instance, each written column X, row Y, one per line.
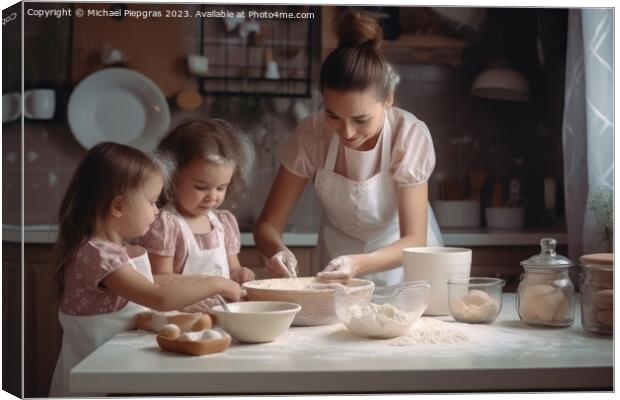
column 597, row 293
column 545, row 293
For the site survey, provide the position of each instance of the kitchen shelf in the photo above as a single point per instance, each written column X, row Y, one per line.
column 408, row 48
column 237, row 66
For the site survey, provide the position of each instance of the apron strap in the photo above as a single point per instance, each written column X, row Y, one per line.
column 332, row 153
column 386, row 144
column 188, row 235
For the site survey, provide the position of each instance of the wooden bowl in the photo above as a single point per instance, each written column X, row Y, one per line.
column 317, row 304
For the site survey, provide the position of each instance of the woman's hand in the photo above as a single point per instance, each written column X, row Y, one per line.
column 242, row 274
column 282, row 264
column 340, row 269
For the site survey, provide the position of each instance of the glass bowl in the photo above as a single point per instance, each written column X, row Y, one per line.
column 386, row 313
column 475, row 300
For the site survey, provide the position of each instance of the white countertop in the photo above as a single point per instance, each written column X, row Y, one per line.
column 451, row 237
column 506, row 355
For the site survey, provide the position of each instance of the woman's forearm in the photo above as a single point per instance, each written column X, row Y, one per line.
column 390, row 256
column 268, row 239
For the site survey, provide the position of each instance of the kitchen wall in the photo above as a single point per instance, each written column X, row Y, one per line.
column 507, row 140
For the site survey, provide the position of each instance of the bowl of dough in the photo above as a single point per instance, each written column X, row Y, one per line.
column 386, row 313
column 475, row 300
column 315, row 298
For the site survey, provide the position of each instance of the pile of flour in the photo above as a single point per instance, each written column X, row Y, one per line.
column 376, row 321
column 432, row 331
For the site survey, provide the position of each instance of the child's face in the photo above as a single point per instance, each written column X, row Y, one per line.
column 201, row 186
column 141, row 208
column 355, row 116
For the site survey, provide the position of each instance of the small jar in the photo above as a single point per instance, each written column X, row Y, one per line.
column 597, row 293
column 545, row 293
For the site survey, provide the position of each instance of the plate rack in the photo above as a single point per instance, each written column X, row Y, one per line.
column 237, row 65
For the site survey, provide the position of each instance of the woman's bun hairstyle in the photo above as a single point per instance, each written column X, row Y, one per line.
column 354, row 29
column 357, row 63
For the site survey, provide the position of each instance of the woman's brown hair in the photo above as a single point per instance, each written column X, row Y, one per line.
column 357, row 63
column 107, row 170
column 213, row 140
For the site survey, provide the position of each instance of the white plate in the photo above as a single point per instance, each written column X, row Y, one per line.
column 118, row 105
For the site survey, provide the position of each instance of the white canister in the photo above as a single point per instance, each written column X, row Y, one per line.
column 436, row 265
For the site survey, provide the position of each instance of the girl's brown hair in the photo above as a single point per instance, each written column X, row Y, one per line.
column 106, row 171
column 357, row 63
column 215, row 141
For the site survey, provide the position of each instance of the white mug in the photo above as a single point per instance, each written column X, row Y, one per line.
column 300, row 111
column 11, row 106
column 436, row 265
column 197, row 64
column 271, row 70
column 39, row 103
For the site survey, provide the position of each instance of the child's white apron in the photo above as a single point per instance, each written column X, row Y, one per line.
column 84, row 334
column 361, row 217
column 211, row 262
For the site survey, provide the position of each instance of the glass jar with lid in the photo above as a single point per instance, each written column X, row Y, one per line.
column 597, row 293
column 545, row 293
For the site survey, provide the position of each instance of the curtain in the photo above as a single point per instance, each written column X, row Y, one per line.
column 587, row 132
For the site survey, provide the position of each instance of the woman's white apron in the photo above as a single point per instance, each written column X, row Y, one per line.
column 211, row 262
column 361, row 217
column 84, row 334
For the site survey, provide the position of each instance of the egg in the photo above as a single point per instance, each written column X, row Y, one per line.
column 170, row 331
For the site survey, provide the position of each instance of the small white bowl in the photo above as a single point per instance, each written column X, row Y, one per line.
column 256, row 321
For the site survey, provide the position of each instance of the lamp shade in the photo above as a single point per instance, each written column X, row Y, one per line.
column 501, row 83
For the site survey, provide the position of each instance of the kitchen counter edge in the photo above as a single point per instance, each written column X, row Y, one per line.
column 451, row 237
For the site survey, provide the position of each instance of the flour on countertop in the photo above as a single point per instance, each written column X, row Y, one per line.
column 432, row 331
column 376, row 321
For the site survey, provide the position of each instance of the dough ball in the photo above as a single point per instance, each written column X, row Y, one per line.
column 563, row 311
column 605, row 317
column 549, row 304
column 170, row 331
column 604, row 299
column 529, row 299
column 476, row 297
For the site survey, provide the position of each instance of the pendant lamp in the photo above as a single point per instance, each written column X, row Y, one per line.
column 501, row 82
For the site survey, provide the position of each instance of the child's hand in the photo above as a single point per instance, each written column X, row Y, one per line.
column 230, row 290
column 242, row 274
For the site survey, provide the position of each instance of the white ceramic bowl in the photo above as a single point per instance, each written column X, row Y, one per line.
column 317, row 301
column 504, row 217
column 475, row 300
column 436, row 265
column 256, row 321
column 457, row 213
column 387, row 313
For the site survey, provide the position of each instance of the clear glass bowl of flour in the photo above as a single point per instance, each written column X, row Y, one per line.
column 387, row 313
column 475, row 300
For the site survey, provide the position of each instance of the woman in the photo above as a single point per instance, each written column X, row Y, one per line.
column 369, row 162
